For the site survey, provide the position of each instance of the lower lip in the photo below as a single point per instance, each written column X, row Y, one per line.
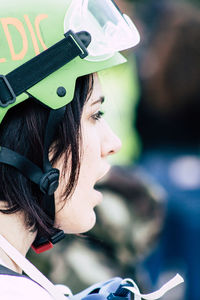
column 99, row 196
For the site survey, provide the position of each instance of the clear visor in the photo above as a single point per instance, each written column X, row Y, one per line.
column 111, row 31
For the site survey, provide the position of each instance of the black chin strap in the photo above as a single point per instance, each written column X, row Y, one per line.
column 51, row 176
column 47, row 179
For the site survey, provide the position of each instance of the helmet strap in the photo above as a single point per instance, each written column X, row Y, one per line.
column 42, row 244
column 21, row 79
column 47, row 179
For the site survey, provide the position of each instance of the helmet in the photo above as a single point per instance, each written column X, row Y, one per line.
column 27, row 29
column 45, row 46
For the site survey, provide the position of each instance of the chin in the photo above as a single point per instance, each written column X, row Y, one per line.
column 82, row 225
column 88, row 223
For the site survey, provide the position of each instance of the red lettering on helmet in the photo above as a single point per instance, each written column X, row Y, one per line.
column 34, row 40
column 37, row 26
column 2, row 60
column 7, row 22
column 19, row 26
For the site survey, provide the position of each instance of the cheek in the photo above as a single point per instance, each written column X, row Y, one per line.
column 91, row 145
column 77, row 215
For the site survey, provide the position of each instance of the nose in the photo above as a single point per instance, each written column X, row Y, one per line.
column 111, row 143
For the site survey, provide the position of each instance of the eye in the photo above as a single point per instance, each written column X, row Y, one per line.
column 97, row 116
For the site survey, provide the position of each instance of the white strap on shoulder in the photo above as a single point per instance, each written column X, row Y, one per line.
column 30, row 269
column 176, row 280
column 37, row 276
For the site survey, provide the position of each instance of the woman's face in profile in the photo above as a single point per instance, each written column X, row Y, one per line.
column 98, row 142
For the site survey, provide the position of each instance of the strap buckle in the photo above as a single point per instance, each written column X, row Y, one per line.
column 81, row 39
column 42, row 248
column 43, row 244
column 7, row 95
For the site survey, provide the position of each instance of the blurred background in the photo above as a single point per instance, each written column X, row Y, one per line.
column 148, row 226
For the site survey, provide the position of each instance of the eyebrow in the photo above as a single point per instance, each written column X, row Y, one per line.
column 100, row 100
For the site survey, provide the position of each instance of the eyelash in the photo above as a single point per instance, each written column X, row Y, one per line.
column 98, row 115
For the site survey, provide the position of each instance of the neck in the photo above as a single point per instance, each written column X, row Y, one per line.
column 13, row 229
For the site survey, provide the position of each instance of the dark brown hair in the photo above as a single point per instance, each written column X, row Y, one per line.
column 23, row 130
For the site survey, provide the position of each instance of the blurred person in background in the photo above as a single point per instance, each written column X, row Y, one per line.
column 168, row 113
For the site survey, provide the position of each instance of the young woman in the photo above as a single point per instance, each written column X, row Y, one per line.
column 54, row 141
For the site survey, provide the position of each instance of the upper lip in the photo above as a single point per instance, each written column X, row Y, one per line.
column 103, row 174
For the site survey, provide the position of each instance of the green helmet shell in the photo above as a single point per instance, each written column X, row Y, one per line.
column 29, row 27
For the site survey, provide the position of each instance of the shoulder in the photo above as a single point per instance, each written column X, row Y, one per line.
column 21, row 288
